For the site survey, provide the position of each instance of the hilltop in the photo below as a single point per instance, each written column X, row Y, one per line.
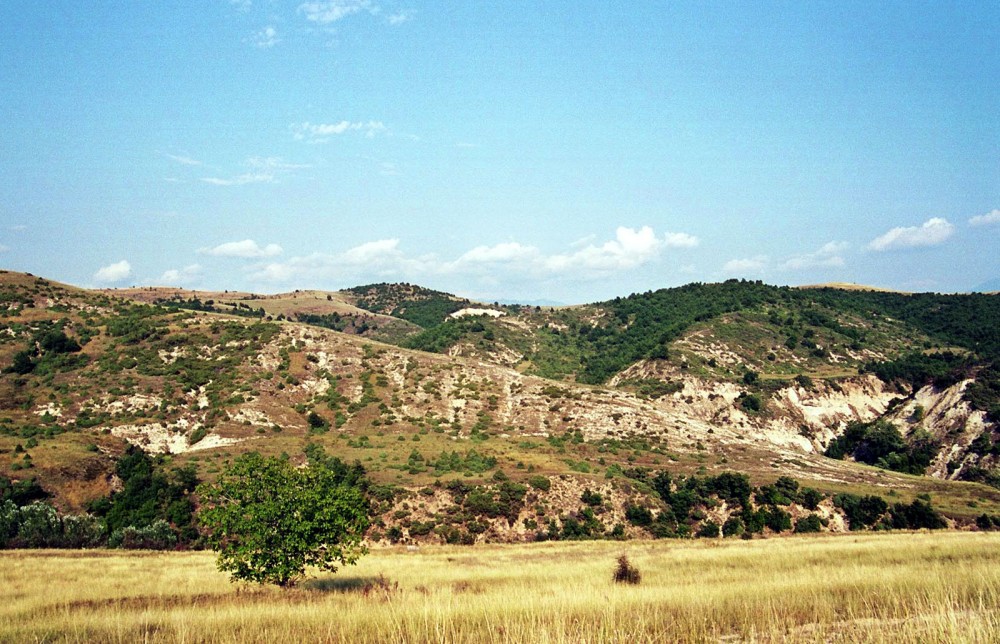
column 534, row 421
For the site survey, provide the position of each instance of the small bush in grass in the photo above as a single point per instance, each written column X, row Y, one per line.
column 626, row 573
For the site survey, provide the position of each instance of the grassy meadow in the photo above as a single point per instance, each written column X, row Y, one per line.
column 900, row 587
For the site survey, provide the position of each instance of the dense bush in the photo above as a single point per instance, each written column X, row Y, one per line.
column 861, row 511
column 809, row 523
column 709, row 530
column 638, row 515
column 918, row 514
column 21, row 492
column 150, row 494
column 879, row 443
column 539, row 482
column 39, row 525
column 156, row 536
column 918, row 369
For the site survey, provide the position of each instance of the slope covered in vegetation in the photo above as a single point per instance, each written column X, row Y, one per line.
column 495, row 441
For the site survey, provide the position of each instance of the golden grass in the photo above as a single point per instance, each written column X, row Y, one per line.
column 880, row 588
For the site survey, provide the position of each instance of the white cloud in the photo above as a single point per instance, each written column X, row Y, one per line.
column 379, row 259
column 247, row 248
column 384, row 259
column 932, row 232
column 179, row 277
column 113, row 273
column 400, row 17
column 321, row 132
column 4, row 249
column 274, row 163
column 266, row 37
column 324, row 13
column 681, row 240
column 992, row 217
column 829, row 256
column 241, row 179
column 751, row 265
column 373, row 252
column 629, row 249
column 183, row 160
column 261, row 170
column 500, row 253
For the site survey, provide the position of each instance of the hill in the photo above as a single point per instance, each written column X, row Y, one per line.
column 660, row 413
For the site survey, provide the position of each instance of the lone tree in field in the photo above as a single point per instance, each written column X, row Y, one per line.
column 269, row 520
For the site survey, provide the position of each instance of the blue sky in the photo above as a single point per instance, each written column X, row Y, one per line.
column 519, row 151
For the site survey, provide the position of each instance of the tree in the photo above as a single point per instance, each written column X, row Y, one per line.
column 269, row 520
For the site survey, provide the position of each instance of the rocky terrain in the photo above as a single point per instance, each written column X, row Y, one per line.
column 761, row 384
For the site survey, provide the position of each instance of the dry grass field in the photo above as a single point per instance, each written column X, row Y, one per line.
column 923, row 587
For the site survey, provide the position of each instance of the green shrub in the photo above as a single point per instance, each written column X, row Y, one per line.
column 638, row 515
column 811, row 498
column 861, row 511
column 317, row 423
column 156, row 536
column 777, row 520
column 915, row 516
column 540, row 482
column 709, row 529
column 591, row 498
column 751, row 403
column 39, row 527
column 810, row 523
column 733, row 527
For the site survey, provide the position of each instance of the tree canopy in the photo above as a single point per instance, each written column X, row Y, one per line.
column 268, row 520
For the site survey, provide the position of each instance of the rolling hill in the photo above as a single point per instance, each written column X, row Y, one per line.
column 636, row 416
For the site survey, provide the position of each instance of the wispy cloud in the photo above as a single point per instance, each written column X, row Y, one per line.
column 990, row 218
column 261, row 170
column 324, row 13
column 247, row 248
column 400, row 17
column 828, row 256
column 932, row 232
column 274, row 163
column 322, row 132
column 241, row 179
column 266, row 38
column 113, row 273
column 4, row 249
column 183, row 160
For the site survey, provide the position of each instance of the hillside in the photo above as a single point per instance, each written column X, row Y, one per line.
column 540, row 422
